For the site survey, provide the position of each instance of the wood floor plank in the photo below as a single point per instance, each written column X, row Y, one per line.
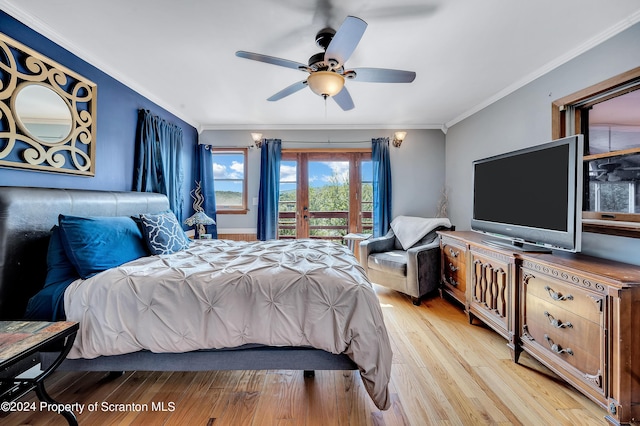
column 445, row 372
column 354, row 404
column 244, row 402
column 193, row 400
column 282, row 402
column 322, row 404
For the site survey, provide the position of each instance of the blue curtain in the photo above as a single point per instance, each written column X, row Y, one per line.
column 381, row 186
column 158, row 165
column 204, row 174
column 269, row 192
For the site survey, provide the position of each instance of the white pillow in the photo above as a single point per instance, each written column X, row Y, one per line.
column 409, row 229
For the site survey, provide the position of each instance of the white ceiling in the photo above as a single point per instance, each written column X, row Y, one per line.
column 466, row 53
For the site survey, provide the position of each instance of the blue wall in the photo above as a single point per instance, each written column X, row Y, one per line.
column 117, row 112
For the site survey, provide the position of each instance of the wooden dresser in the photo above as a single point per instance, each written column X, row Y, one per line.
column 578, row 315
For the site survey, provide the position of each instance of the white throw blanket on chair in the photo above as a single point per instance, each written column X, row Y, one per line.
column 409, row 229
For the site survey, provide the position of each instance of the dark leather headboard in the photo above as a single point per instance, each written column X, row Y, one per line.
column 26, row 218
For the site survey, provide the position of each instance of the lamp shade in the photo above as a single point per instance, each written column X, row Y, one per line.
column 400, row 135
column 325, row 83
column 199, row 218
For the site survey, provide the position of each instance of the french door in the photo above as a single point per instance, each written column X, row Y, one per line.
column 324, row 195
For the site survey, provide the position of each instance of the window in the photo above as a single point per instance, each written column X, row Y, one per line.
column 229, row 175
column 608, row 115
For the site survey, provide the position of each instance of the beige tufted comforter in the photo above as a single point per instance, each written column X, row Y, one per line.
column 223, row 294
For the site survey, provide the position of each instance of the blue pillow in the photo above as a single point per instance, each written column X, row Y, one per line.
column 59, row 267
column 163, row 233
column 48, row 303
column 95, row 244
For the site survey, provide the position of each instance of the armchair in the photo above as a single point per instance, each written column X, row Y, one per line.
column 407, row 259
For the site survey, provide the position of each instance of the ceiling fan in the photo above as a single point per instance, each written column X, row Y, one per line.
column 326, row 69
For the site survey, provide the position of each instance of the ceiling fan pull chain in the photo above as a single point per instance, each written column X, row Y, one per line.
column 325, row 108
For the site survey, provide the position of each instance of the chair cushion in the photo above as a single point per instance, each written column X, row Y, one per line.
column 391, row 262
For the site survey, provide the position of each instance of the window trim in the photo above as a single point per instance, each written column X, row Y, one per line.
column 244, row 209
column 566, row 113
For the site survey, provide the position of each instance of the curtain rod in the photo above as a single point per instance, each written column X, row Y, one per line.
column 326, row 142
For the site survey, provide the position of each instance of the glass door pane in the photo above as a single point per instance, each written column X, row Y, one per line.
column 288, row 205
column 366, row 197
column 328, row 210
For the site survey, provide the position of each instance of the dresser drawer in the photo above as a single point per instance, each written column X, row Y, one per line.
column 582, row 303
column 454, row 266
column 565, row 335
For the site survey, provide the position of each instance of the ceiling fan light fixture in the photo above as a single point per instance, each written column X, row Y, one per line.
column 325, row 83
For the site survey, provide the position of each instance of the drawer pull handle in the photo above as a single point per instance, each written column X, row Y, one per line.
column 556, row 322
column 452, row 268
column 453, row 253
column 451, row 281
column 557, row 296
column 555, row 348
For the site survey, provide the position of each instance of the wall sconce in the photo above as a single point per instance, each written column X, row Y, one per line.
column 398, row 137
column 257, row 139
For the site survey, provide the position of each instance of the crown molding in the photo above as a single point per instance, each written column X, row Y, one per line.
column 264, row 126
column 572, row 54
column 43, row 29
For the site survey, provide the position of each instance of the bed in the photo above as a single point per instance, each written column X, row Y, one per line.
column 340, row 325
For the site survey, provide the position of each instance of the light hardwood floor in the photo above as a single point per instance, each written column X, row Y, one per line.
column 445, row 372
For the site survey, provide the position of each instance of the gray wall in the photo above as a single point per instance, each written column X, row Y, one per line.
column 523, row 119
column 417, row 167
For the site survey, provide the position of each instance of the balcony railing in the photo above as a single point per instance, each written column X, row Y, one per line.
column 325, row 225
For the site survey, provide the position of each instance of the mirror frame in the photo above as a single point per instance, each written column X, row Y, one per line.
column 21, row 66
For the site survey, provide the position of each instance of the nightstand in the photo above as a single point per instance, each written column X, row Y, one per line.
column 20, row 341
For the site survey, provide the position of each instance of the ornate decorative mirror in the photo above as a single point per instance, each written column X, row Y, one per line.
column 47, row 113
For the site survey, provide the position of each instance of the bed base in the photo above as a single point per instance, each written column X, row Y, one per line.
column 262, row 358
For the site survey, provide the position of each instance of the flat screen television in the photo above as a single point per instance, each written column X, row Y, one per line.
column 531, row 197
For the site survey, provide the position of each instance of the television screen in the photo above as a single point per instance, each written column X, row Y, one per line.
column 531, row 195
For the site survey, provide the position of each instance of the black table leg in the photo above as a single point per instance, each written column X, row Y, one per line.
column 38, row 382
column 44, row 396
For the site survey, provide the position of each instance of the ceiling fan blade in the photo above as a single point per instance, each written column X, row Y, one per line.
column 399, row 11
column 383, row 75
column 343, row 99
column 271, row 60
column 344, row 42
column 289, row 90
column 325, row 13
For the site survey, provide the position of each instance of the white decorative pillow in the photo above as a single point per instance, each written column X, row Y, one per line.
column 163, row 233
column 409, row 230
